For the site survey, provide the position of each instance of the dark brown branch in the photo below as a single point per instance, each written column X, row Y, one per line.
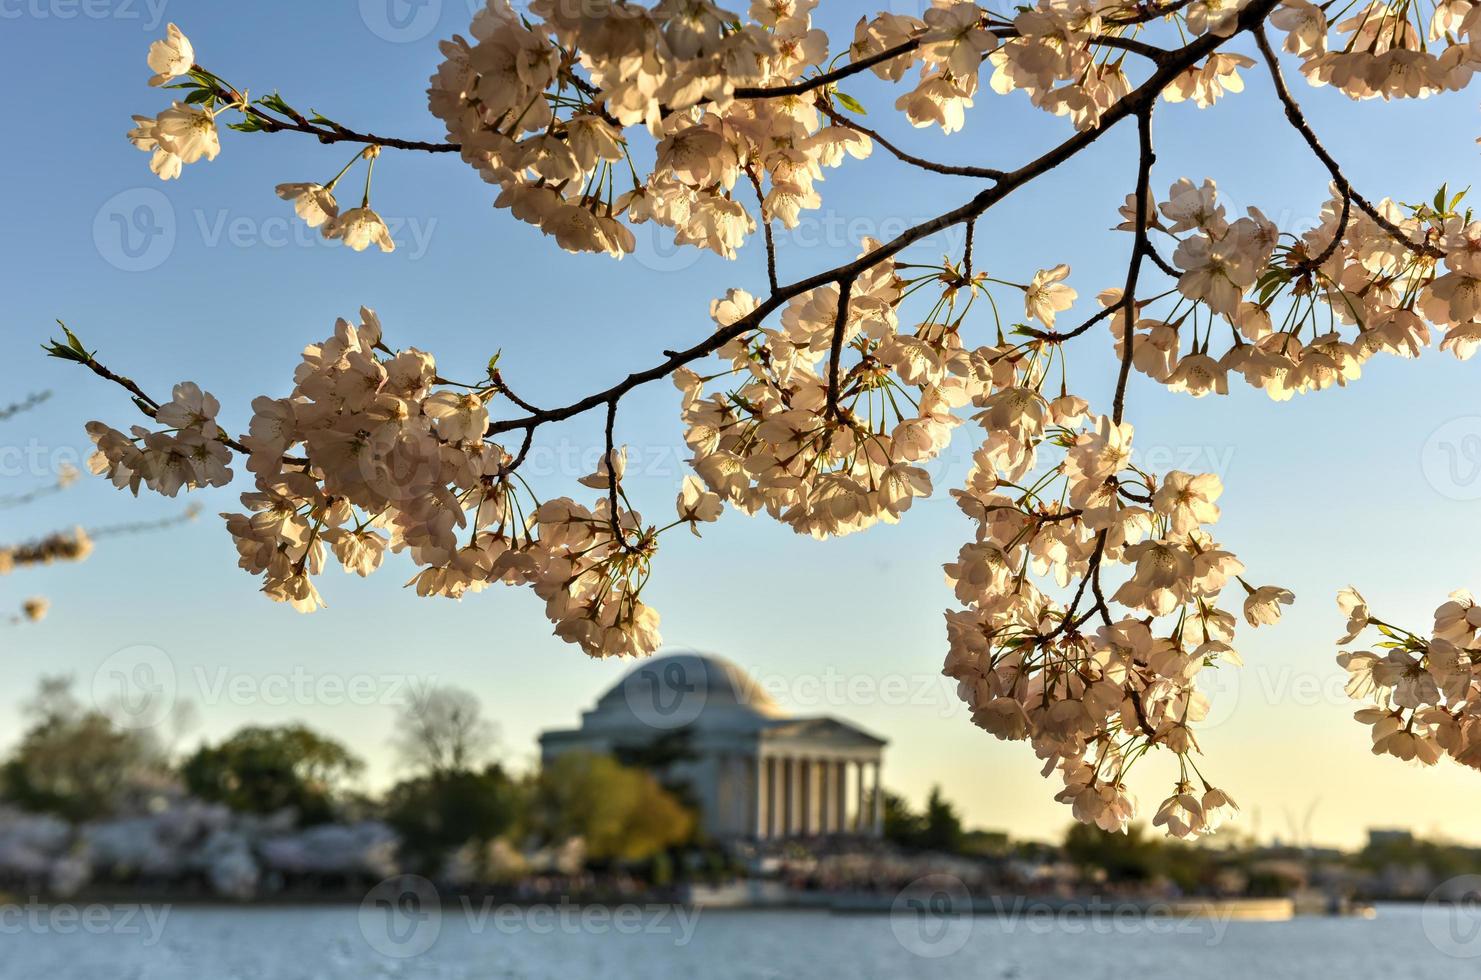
column 1149, row 51
column 1140, row 248
column 1317, row 261
column 613, row 517
column 1059, row 337
column 915, row 161
column 1162, row 263
column 327, row 132
column 1298, row 122
column 519, row 457
column 840, row 321
column 771, row 273
column 1148, row 11
column 150, row 407
column 502, row 388
column 1177, row 61
column 828, row 77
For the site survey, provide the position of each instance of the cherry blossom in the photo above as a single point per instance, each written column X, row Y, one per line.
column 1092, row 595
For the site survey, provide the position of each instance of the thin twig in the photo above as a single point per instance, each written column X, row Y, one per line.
column 771, row 273
column 327, row 132
column 24, row 405
column 612, row 475
column 915, row 161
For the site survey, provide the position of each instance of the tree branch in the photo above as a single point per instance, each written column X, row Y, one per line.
column 1138, row 99
column 771, row 273
column 326, row 132
column 840, row 321
column 1298, row 121
column 915, row 161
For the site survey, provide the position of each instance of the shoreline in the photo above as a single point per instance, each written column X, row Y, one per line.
column 768, row 896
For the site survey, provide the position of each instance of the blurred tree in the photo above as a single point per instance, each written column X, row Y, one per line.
column 902, row 825
column 622, row 814
column 74, row 762
column 986, row 843
column 439, row 813
column 941, row 828
column 267, row 769
column 442, row 730
column 664, row 757
column 1131, row 856
column 937, row 828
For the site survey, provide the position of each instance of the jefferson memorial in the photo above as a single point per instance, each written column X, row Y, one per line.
column 755, row 771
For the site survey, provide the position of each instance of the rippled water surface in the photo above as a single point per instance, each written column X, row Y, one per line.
column 659, row 943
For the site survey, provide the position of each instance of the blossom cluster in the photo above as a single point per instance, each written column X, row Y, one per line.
column 372, row 451
column 73, row 545
column 1093, row 594
column 189, row 453
column 542, row 104
column 1425, row 691
column 1093, row 702
column 553, row 140
column 773, row 439
column 1385, row 50
column 187, row 132
column 1287, row 299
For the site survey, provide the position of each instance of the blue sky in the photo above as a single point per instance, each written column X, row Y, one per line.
column 1343, row 486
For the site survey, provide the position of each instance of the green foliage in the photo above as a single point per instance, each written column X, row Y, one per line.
column 942, row 827
column 437, row 814
column 76, row 764
column 1132, row 856
column 937, row 828
column 902, row 825
column 622, row 814
column 662, row 757
column 1136, row 856
column 72, row 350
column 1442, row 860
column 264, row 770
column 850, row 103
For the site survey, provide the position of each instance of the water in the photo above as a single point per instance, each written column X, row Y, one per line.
column 328, row 943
